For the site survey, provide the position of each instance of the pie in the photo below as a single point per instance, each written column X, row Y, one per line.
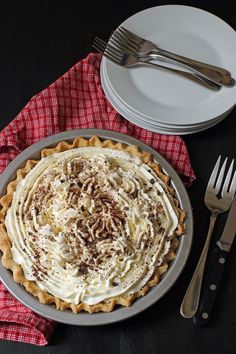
column 91, row 225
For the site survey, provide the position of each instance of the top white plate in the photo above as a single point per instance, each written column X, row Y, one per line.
column 166, row 97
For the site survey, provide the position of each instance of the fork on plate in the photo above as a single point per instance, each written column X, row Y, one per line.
column 119, row 57
column 134, row 45
column 218, row 199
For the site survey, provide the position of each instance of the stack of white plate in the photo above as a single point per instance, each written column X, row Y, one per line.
column 164, row 102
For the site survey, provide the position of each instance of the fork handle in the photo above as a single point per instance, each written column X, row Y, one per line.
column 211, row 71
column 192, row 76
column 217, row 259
column 191, row 299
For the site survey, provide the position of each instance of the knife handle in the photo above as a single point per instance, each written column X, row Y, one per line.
column 217, row 259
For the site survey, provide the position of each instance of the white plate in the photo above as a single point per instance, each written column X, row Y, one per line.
column 136, row 118
column 168, row 98
column 117, row 100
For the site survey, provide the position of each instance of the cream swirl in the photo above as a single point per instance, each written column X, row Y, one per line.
column 89, row 224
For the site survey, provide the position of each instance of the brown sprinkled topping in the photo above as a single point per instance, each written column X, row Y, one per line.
column 83, row 269
column 135, row 194
column 37, row 211
column 105, row 213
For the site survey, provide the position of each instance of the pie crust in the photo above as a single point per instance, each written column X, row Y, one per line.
column 106, row 305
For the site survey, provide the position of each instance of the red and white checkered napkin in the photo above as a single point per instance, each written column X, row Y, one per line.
column 75, row 100
column 19, row 323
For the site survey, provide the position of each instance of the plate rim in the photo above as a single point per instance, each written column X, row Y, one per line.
column 111, row 95
column 135, row 119
column 155, row 293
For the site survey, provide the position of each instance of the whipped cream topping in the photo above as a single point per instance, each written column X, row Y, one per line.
column 89, row 224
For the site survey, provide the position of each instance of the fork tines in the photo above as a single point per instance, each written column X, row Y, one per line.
column 110, row 51
column 120, row 39
column 99, row 45
column 216, row 179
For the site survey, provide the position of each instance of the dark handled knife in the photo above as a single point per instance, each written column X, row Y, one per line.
column 217, row 259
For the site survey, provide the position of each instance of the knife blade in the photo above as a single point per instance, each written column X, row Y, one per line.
column 217, row 259
column 227, row 237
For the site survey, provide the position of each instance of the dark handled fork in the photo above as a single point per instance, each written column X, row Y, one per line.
column 216, row 205
column 127, row 60
column 137, row 45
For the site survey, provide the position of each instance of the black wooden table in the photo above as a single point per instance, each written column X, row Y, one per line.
column 39, row 42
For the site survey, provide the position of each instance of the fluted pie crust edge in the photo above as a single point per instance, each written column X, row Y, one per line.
column 104, row 306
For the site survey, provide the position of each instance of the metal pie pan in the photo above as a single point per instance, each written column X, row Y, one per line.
column 155, row 293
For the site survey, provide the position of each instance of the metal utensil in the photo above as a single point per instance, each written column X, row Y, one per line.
column 134, row 44
column 216, row 206
column 217, row 258
column 127, row 60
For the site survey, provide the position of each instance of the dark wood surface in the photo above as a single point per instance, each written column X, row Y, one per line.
column 39, row 42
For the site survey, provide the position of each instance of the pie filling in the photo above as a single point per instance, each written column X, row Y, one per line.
column 89, row 224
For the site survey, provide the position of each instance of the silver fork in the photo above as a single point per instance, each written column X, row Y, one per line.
column 126, row 60
column 135, row 44
column 216, row 206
